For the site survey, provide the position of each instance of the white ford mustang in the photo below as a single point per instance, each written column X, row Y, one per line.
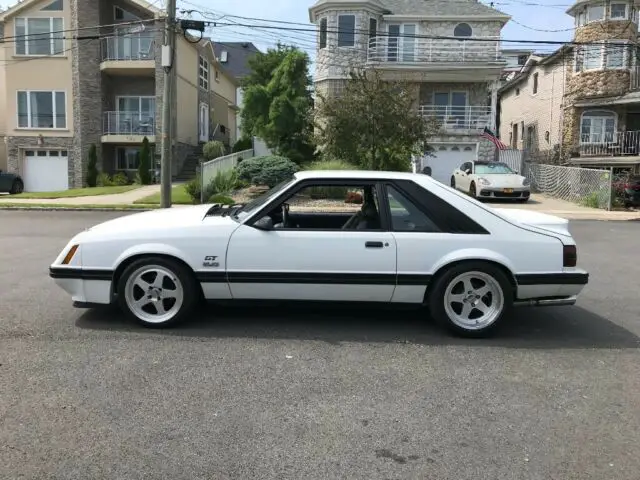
column 491, row 180
column 397, row 238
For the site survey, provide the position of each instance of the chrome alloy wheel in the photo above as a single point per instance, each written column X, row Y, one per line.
column 473, row 300
column 154, row 294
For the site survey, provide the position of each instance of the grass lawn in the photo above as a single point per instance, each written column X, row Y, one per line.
column 179, row 196
column 64, row 206
column 77, row 192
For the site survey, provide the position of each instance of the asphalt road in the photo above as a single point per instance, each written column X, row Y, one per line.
column 306, row 394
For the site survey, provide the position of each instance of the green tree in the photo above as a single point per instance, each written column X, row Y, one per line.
column 144, row 165
column 277, row 103
column 373, row 123
column 92, row 166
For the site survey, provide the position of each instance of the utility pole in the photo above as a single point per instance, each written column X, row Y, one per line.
column 167, row 140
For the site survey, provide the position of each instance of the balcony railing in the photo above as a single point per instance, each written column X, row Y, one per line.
column 129, row 123
column 138, row 46
column 635, row 78
column 458, row 118
column 611, row 144
column 426, row 50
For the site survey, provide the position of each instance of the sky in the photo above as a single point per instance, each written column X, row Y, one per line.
column 531, row 20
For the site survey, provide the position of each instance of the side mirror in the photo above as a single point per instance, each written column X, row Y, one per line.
column 265, row 223
column 467, row 171
column 516, row 172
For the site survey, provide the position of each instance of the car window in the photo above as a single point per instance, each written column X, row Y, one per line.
column 329, row 198
column 406, row 216
column 493, row 168
column 259, row 201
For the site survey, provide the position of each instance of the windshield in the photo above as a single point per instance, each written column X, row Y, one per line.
column 492, row 168
column 258, row 202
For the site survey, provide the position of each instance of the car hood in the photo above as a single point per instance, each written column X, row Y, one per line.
column 503, row 180
column 161, row 219
column 542, row 221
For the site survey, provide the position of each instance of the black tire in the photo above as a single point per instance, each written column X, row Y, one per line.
column 453, row 182
column 190, row 289
column 472, row 189
column 16, row 187
column 436, row 297
column 523, row 200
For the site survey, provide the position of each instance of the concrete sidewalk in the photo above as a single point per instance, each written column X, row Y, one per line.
column 125, row 198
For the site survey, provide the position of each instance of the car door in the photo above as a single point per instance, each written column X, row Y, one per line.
column 464, row 179
column 320, row 263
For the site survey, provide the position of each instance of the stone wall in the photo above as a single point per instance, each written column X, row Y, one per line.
column 598, row 83
column 606, row 30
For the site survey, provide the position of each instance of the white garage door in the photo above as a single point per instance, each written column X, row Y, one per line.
column 447, row 158
column 46, row 170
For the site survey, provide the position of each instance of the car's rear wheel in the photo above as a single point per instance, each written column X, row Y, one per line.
column 471, row 298
column 157, row 292
column 453, row 182
column 16, row 187
column 472, row 189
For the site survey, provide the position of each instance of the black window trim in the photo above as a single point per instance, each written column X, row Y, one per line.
column 383, row 202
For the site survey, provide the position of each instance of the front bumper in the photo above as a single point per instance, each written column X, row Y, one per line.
column 505, row 193
column 84, row 286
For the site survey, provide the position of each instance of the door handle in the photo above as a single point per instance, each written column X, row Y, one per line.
column 373, row 244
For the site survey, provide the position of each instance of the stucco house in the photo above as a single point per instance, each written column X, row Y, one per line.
column 599, row 114
column 455, row 80
column 61, row 94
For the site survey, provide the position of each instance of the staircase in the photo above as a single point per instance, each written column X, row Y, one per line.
column 190, row 166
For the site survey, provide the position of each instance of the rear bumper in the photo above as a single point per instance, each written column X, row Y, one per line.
column 551, row 288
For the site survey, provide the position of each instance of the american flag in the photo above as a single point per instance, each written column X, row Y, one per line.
column 488, row 134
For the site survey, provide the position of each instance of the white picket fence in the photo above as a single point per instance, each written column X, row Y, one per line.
column 221, row 164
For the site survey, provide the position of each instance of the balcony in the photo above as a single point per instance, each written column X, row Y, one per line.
column 128, row 127
column 614, row 144
column 424, row 51
column 132, row 55
column 458, row 119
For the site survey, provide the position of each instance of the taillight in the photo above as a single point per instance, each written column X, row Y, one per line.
column 569, row 256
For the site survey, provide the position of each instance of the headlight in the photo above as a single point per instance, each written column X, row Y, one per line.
column 483, row 181
column 526, row 182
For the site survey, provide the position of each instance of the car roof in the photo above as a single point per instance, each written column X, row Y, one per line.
column 359, row 174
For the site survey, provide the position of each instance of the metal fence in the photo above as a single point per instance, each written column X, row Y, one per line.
column 512, row 157
column 588, row 187
column 211, row 168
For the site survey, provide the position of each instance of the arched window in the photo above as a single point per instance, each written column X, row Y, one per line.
column 462, row 30
column 598, row 126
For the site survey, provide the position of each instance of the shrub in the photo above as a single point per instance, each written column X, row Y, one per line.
column 194, row 189
column 120, row 179
column 223, row 183
column 92, row 166
column 223, row 199
column 103, row 180
column 144, row 166
column 213, row 150
column 244, row 143
column 331, row 165
column 267, row 170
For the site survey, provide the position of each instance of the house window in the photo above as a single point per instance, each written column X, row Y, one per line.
column 450, row 107
column 595, row 13
column 127, row 158
column 597, row 126
column 346, row 30
column 42, row 110
column 588, row 57
column 535, row 83
column 39, row 36
column 373, row 28
column 323, row 33
column 203, row 73
column 120, row 14
column 522, row 59
column 462, row 30
column 618, row 11
column 216, row 75
column 615, row 56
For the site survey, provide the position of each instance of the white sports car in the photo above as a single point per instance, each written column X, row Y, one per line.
column 385, row 237
column 491, row 180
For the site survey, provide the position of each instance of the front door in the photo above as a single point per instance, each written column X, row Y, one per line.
column 317, row 252
column 402, row 43
column 204, row 122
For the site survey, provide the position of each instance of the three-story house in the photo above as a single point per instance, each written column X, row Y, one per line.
column 448, row 51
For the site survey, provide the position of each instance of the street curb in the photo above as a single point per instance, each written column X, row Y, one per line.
column 78, row 209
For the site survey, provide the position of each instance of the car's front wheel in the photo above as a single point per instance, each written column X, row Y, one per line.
column 157, row 292
column 472, row 189
column 471, row 298
column 453, row 181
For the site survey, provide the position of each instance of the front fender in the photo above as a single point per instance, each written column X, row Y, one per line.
column 150, row 249
column 474, row 254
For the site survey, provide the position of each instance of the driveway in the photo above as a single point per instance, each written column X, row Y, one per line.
column 307, row 393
